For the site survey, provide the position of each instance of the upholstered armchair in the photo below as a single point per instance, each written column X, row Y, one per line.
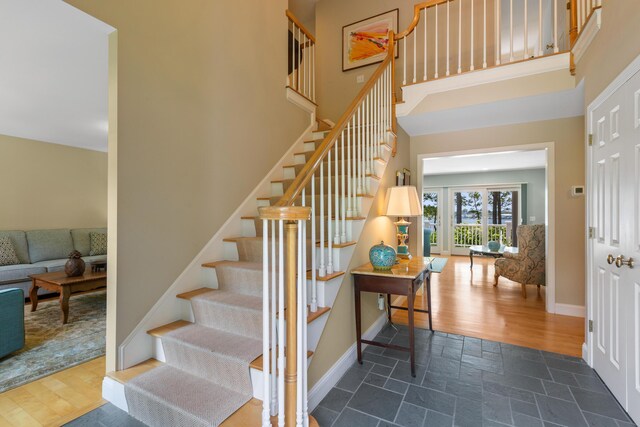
column 527, row 267
column 11, row 321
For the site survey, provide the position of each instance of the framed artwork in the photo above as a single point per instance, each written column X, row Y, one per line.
column 366, row 42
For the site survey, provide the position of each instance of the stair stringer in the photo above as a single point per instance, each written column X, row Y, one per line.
column 139, row 346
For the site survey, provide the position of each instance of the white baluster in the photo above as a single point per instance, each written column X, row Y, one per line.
column 540, row 51
column 435, row 75
column 322, row 270
column 314, row 284
column 404, row 55
column 343, row 204
column 525, row 55
column 274, row 394
column 328, row 218
column 556, row 49
column 298, row 62
column 336, row 208
column 359, row 147
column 510, row 30
column 415, row 46
column 302, row 307
column 265, row 323
column 424, row 77
column 313, row 70
column 448, row 36
column 498, row 33
column 293, row 56
column 280, row 323
column 303, row 325
column 484, row 33
column 354, row 170
column 471, row 67
column 459, row 36
column 349, row 178
column 304, row 64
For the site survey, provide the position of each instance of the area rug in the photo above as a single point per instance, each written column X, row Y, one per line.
column 51, row 346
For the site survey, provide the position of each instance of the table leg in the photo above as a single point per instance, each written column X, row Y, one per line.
column 33, row 295
column 65, row 293
column 412, row 344
column 428, row 284
column 471, row 259
column 358, row 324
column 389, row 307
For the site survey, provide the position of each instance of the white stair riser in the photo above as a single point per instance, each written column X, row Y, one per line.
column 230, row 251
column 327, row 291
column 257, row 379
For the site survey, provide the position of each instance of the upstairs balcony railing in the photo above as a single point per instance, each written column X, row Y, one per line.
column 448, row 37
column 301, row 59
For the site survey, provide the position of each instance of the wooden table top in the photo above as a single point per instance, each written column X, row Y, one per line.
column 60, row 277
column 403, row 270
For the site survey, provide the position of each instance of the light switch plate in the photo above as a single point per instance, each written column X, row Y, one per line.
column 532, row 219
column 360, row 78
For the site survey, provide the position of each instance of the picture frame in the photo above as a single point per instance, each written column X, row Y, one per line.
column 366, row 42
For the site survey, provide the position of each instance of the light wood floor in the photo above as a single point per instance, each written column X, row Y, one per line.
column 467, row 303
column 56, row 399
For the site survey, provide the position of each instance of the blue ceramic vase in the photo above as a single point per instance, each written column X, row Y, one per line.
column 494, row 246
column 382, row 256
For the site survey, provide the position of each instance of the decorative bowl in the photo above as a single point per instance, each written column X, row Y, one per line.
column 382, row 256
column 493, row 246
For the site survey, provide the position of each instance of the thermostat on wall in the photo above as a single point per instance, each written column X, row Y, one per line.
column 577, row 190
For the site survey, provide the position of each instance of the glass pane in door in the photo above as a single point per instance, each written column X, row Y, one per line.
column 467, row 218
column 430, row 203
column 502, row 214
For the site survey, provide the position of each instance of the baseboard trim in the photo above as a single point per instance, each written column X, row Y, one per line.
column 333, row 375
column 113, row 391
column 585, row 353
column 570, row 310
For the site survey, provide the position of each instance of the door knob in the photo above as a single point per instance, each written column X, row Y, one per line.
column 620, row 261
column 610, row 259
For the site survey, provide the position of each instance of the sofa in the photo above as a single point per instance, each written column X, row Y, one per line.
column 12, row 321
column 44, row 251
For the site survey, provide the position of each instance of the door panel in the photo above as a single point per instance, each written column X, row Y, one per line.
column 432, row 216
column 467, row 220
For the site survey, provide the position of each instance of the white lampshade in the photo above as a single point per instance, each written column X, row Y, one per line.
column 403, row 201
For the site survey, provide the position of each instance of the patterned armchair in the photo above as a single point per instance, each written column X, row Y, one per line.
column 527, row 267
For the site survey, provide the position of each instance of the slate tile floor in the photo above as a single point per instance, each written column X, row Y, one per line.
column 460, row 381
column 463, row 381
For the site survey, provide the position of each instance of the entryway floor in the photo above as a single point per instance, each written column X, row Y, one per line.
column 465, row 302
column 465, row 381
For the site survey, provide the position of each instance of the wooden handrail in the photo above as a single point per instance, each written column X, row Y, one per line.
column 295, row 20
column 416, row 15
column 303, row 178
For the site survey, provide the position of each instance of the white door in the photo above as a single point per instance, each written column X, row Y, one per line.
column 615, row 217
column 468, row 219
column 432, row 216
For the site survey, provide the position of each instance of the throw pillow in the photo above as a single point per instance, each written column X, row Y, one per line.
column 97, row 243
column 7, row 252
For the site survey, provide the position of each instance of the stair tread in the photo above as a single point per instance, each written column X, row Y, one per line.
column 327, row 277
column 241, row 264
column 313, row 316
column 206, row 398
column 126, row 375
column 165, row 329
column 231, row 239
column 194, row 293
column 237, row 300
column 236, row 346
column 339, row 245
column 257, row 363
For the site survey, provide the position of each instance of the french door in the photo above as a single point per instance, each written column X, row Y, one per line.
column 481, row 214
column 432, row 203
column 614, row 204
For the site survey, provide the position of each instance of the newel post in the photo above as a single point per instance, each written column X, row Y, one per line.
column 573, row 32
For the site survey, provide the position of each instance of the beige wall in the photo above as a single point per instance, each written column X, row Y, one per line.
column 613, row 48
column 51, row 186
column 568, row 136
column 201, row 118
column 340, row 332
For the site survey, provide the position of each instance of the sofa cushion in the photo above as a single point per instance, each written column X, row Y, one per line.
column 10, row 273
column 49, row 244
column 98, row 243
column 7, row 253
column 19, row 240
column 81, row 241
column 52, row 265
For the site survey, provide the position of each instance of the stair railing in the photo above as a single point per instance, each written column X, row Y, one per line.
column 449, row 37
column 302, row 59
column 583, row 11
column 339, row 169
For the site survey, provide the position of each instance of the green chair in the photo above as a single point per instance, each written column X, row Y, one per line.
column 427, row 242
column 11, row 321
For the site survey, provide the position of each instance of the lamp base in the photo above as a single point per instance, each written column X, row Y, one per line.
column 402, row 232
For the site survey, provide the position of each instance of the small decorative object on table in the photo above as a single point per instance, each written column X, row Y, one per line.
column 75, row 266
column 493, row 246
column 382, row 256
column 99, row 266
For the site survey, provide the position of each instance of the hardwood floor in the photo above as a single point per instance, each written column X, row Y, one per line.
column 467, row 303
column 56, row 399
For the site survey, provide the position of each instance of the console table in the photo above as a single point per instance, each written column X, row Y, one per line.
column 403, row 279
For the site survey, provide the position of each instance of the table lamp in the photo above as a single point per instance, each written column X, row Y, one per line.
column 403, row 202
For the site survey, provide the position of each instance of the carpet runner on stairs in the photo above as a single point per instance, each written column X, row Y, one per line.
column 206, row 377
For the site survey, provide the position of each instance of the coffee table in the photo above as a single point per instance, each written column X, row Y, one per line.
column 485, row 251
column 59, row 282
